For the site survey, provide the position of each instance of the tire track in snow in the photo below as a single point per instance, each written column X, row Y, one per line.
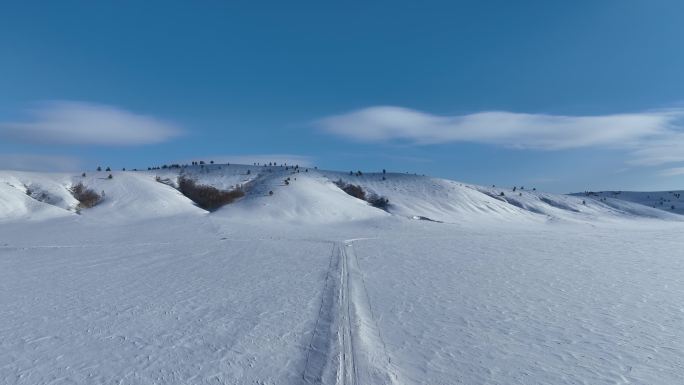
column 346, row 347
column 321, row 350
column 347, row 373
column 367, row 360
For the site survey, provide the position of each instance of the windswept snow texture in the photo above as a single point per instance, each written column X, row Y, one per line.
column 454, row 283
column 547, row 307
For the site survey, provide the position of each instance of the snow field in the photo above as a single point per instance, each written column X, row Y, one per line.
column 537, row 306
column 202, row 312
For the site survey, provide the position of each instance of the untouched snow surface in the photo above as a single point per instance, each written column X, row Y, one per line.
column 312, row 286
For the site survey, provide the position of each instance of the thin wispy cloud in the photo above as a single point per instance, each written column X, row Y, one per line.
column 666, row 148
column 33, row 162
column 69, row 122
column 654, row 137
column 674, row 171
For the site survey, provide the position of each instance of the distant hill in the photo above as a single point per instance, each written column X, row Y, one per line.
column 670, row 201
column 309, row 195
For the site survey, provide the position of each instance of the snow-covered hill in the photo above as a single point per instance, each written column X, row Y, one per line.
column 308, row 196
column 670, row 201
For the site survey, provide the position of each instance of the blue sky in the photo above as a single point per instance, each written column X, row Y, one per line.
column 565, row 96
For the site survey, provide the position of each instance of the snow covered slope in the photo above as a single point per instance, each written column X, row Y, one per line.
column 130, row 195
column 670, row 201
column 34, row 196
column 127, row 195
column 307, row 199
column 308, row 196
column 451, row 201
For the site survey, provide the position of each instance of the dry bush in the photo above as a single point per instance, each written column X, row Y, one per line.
column 356, row 191
column 40, row 195
column 86, row 197
column 378, row 201
column 207, row 197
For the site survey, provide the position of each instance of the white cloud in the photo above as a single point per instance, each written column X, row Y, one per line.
column 666, row 148
column 68, row 122
column 517, row 130
column 30, row 162
column 301, row 160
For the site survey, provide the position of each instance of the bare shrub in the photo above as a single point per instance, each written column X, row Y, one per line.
column 207, row 197
column 356, row 191
column 86, row 197
column 40, row 195
column 378, row 201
